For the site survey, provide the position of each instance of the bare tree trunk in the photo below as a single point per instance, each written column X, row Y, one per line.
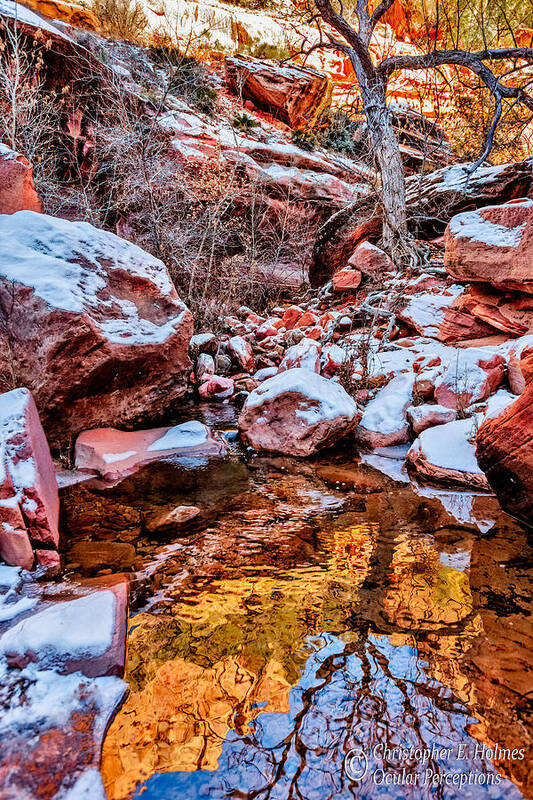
column 386, row 149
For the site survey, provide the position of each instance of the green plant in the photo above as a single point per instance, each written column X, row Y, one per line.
column 121, row 19
column 337, row 133
column 188, row 77
column 243, row 122
column 304, row 139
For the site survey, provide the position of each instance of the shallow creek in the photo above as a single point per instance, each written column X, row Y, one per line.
column 316, row 608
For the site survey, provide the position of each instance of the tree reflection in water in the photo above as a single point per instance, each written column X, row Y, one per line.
column 364, row 692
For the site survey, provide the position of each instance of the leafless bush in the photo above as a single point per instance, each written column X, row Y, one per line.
column 28, row 114
column 122, row 19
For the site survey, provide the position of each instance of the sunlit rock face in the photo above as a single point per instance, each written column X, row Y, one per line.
column 295, row 94
column 91, row 324
column 17, row 189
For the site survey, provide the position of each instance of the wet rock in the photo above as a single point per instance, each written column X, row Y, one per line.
column 360, row 481
column 100, row 555
column 493, row 245
column 297, row 412
column 116, row 454
column 17, row 190
column 216, row 388
column 505, row 452
column 174, row 520
column 29, row 504
column 95, row 329
column 295, row 94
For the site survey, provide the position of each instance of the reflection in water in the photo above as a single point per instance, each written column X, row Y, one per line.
column 315, row 622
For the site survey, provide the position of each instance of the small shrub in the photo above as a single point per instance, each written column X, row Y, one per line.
column 188, row 77
column 304, row 139
column 270, row 51
column 337, row 134
column 243, row 122
column 121, row 19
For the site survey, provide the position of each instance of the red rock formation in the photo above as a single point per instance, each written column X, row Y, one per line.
column 346, row 280
column 493, row 245
column 431, row 199
column 72, row 13
column 17, row 190
column 505, row 452
column 29, row 504
column 90, row 323
column 297, row 95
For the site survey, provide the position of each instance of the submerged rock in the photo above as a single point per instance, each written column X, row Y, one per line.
column 297, row 412
column 91, row 324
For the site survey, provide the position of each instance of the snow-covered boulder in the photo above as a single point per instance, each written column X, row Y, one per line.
column 447, row 454
column 305, row 354
column 90, row 323
column 297, row 412
column 29, row 502
column 425, row 311
column 468, row 375
column 493, row 245
column 427, row 415
column 115, row 454
column 17, row 190
column 384, row 420
column 59, row 668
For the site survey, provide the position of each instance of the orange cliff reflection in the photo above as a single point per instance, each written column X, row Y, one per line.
column 241, row 649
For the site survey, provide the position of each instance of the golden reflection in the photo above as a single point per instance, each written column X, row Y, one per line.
column 225, row 654
column 423, row 593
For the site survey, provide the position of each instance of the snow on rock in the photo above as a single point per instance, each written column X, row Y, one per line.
column 116, row 454
column 447, row 454
column 12, row 602
column 384, row 420
column 331, row 359
column 468, row 376
column 17, row 190
column 428, row 415
column 494, row 245
column 29, row 501
column 60, row 684
column 517, row 352
column 425, row 312
column 205, row 366
column 305, row 354
column 297, row 412
column 95, row 327
column 242, row 352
